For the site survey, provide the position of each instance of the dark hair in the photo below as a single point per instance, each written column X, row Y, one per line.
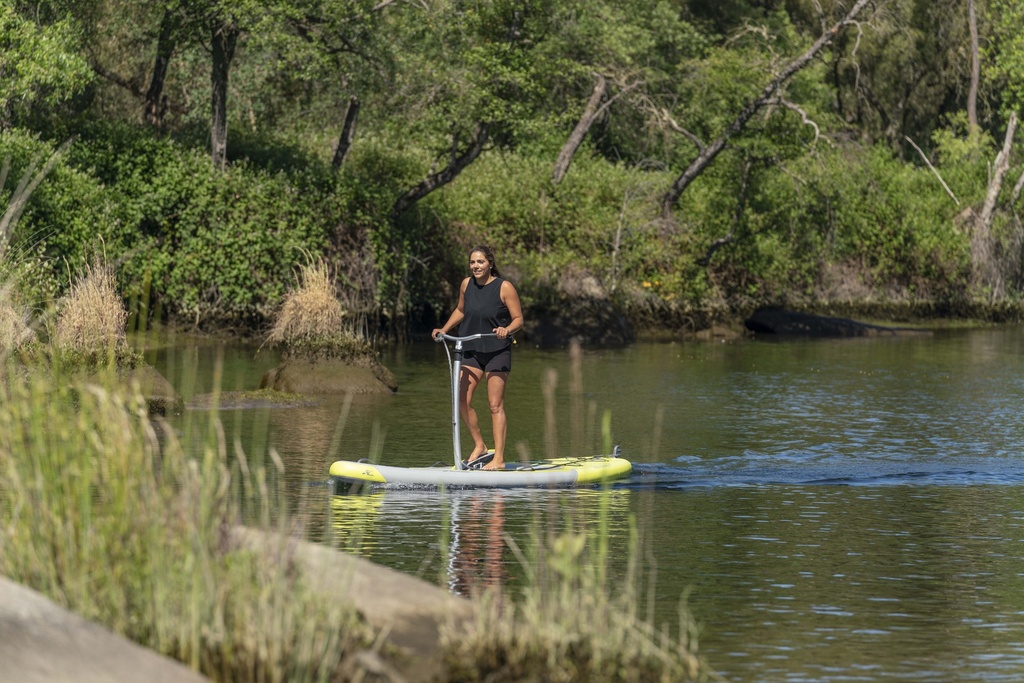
column 489, row 255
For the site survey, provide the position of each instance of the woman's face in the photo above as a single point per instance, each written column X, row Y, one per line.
column 478, row 265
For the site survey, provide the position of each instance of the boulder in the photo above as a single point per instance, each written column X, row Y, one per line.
column 43, row 643
column 329, row 376
column 411, row 611
column 161, row 398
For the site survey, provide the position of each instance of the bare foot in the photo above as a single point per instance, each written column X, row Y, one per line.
column 477, row 452
column 495, row 464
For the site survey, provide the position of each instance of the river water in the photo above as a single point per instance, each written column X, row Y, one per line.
column 848, row 510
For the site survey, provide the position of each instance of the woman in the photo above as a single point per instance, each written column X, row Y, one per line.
column 487, row 303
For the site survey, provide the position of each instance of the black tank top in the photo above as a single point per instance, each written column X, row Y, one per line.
column 483, row 311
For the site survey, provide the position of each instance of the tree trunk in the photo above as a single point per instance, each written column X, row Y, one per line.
column 156, row 103
column 1013, row 198
column 999, row 170
column 224, row 39
column 458, row 163
column 983, row 257
column 21, row 193
column 972, row 93
column 709, row 153
column 348, row 132
column 587, row 118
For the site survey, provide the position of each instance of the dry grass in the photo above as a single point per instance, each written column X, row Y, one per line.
column 15, row 330
column 310, row 311
column 562, row 636
column 93, row 316
column 312, row 321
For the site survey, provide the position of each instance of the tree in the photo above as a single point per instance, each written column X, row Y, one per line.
column 224, row 35
column 902, row 77
column 972, row 92
column 590, row 113
column 609, row 70
column 167, row 40
column 708, row 153
column 1004, row 55
column 38, row 63
column 472, row 80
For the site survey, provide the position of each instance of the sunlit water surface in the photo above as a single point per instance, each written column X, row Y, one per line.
column 835, row 510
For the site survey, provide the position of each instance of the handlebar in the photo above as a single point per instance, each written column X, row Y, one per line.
column 447, row 337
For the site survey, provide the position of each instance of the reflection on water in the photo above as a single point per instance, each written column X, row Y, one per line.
column 474, row 529
column 840, row 510
column 476, row 554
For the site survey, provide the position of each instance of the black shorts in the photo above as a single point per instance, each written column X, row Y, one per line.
column 489, row 361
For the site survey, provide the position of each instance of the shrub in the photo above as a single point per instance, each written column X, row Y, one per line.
column 311, row 319
column 90, row 324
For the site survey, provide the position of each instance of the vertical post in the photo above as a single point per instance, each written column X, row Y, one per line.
column 456, row 366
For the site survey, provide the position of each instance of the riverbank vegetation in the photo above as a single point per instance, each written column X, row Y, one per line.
column 677, row 162
column 109, row 516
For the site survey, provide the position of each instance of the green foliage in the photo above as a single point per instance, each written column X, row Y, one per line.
column 38, row 64
column 803, row 192
column 212, row 246
column 1004, row 57
column 234, row 244
column 892, row 223
column 66, row 220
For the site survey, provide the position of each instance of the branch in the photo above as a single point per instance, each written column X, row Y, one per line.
column 348, row 131
column 708, row 155
column 590, row 113
column 623, row 89
column 697, row 142
column 130, row 84
column 26, row 186
column 1001, row 166
column 1013, row 201
column 458, row 162
column 741, row 205
column 805, row 119
column 933, row 170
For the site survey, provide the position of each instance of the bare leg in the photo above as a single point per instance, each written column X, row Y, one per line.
column 468, row 383
column 496, row 400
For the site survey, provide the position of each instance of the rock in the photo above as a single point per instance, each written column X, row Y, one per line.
column 411, row 611
column 159, row 393
column 43, row 643
column 302, row 376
